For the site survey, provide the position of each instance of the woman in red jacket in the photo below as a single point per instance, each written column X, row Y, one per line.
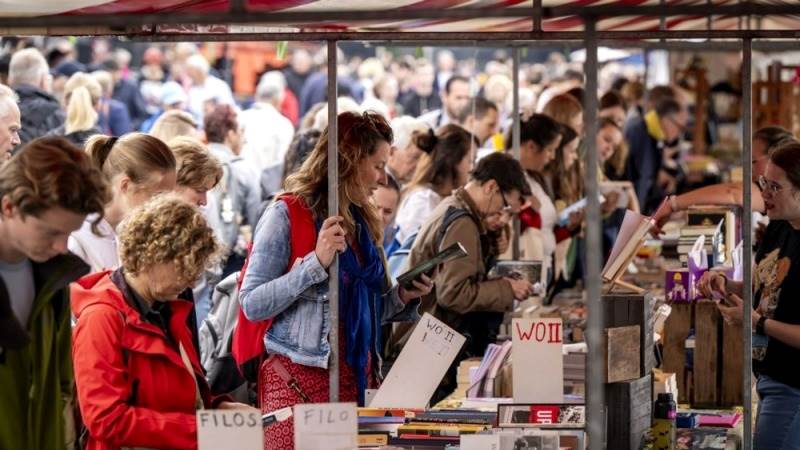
column 137, row 372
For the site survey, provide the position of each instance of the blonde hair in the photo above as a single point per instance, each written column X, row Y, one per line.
column 81, row 93
column 359, row 136
column 197, row 167
column 136, row 155
column 168, row 230
column 106, row 81
column 563, row 108
column 172, row 124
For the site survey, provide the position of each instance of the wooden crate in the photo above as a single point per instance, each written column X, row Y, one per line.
column 621, row 310
column 716, row 376
column 621, row 354
column 629, row 413
column 676, row 330
column 732, row 365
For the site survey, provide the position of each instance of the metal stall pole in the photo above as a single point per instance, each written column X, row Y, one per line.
column 333, row 210
column 595, row 406
column 515, row 138
column 747, row 222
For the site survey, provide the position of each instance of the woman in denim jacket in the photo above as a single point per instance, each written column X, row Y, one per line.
column 297, row 300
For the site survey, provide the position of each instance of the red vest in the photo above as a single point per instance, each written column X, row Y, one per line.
column 247, row 346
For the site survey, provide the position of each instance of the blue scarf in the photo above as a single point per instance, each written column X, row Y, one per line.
column 360, row 297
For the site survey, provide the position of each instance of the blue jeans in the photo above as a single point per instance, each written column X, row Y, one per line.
column 778, row 423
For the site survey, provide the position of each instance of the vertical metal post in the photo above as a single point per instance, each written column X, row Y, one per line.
column 515, row 137
column 537, row 15
column 710, row 18
column 595, row 409
column 333, row 210
column 747, row 219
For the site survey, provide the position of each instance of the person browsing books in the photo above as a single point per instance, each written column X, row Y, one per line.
column 287, row 278
column 776, row 313
column 462, row 290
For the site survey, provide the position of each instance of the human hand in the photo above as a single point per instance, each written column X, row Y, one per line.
column 522, row 289
column 330, row 241
column 575, row 219
column 734, row 313
column 421, row 287
column 237, row 406
column 712, row 282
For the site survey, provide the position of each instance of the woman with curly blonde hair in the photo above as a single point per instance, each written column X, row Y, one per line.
column 137, row 371
column 287, row 280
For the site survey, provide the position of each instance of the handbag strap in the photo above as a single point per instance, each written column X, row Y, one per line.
column 284, row 375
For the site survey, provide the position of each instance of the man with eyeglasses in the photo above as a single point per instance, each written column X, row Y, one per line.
column 462, row 294
column 647, row 137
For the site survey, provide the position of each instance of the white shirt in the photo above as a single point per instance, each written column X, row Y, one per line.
column 415, row 208
column 548, row 214
column 267, row 136
column 99, row 252
column 436, row 118
column 213, row 88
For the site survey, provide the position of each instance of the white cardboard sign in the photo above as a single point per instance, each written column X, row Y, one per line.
column 538, row 364
column 421, row 365
column 229, row 429
column 325, row 426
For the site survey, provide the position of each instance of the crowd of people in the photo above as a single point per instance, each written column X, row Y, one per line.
column 129, row 194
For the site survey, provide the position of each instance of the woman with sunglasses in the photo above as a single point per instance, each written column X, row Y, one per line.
column 764, row 141
column 776, row 312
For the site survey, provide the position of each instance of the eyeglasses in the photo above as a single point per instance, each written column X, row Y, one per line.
column 769, row 186
column 506, row 206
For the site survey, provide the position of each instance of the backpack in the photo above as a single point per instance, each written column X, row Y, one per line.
column 247, row 342
column 216, row 335
column 398, row 261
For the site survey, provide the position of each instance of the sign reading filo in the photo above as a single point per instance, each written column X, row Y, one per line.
column 229, row 429
column 537, row 359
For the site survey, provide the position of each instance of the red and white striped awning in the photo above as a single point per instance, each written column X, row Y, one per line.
column 508, row 23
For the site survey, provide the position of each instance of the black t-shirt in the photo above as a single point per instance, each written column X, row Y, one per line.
column 777, row 294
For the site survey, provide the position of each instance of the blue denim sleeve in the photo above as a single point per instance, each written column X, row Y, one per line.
column 266, row 290
column 394, row 310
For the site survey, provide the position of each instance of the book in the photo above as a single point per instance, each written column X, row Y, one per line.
column 451, row 253
column 531, row 271
column 632, row 233
column 626, row 194
column 372, row 439
column 563, row 216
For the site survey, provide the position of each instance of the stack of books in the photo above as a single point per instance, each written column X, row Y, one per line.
column 438, row 429
column 377, row 425
column 482, row 379
column 714, row 242
column 724, row 217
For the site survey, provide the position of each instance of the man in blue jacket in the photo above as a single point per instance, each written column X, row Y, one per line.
column 647, row 137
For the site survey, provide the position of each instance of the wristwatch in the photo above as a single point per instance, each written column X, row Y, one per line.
column 760, row 326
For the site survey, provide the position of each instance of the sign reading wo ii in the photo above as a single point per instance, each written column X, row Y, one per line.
column 537, row 359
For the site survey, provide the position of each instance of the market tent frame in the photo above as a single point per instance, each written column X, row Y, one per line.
column 702, row 25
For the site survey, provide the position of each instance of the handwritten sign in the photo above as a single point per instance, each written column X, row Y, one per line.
column 325, row 426
column 481, row 442
column 229, row 429
column 421, row 365
column 538, row 362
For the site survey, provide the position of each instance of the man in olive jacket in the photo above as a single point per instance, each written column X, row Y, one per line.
column 46, row 191
column 461, row 287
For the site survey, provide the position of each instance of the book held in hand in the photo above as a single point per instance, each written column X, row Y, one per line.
column 451, row 253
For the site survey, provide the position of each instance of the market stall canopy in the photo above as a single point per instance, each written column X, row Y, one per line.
column 403, row 16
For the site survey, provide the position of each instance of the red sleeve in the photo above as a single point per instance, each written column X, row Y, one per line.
column 290, row 108
column 530, row 218
column 100, row 375
column 562, row 233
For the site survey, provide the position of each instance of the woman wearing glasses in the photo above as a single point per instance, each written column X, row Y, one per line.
column 776, row 313
column 764, row 140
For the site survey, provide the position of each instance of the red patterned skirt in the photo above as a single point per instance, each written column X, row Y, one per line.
column 274, row 394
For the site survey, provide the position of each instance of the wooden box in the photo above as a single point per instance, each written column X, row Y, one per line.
column 621, row 354
column 621, row 310
column 715, row 376
column 629, row 413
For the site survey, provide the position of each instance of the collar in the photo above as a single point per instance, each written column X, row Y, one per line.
column 653, row 123
column 463, row 196
column 221, row 151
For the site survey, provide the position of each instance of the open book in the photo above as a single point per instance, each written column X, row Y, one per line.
column 631, row 235
column 626, row 195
